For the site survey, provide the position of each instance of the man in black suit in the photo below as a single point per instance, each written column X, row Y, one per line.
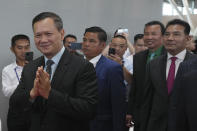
column 153, row 39
column 186, row 106
column 160, row 76
column 57, row 91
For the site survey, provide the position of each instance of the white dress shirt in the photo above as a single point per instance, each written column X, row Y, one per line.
column 127, row 53
column 128, row 63
column 11, row 75
column 95, row 60
column 180, row 58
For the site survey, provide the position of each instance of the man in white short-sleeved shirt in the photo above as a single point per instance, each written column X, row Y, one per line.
column 20, row 44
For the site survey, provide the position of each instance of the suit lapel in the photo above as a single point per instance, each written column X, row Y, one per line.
column 101, row 60
column 162, row 74
column 61, row 69
column 144, row 58
column 188, row 56
column 163, row 71
column 40, row 62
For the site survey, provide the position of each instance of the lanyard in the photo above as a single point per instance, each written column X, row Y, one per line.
column 16, row 74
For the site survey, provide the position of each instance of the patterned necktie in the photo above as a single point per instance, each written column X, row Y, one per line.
column 48, row 68
column 171, row 75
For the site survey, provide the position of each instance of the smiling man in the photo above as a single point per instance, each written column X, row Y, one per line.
column 53, row 93
column 159, row 105
column 153, row 39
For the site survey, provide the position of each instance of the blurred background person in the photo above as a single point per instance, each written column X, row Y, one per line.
column 68, row 39
column 76, row 48
column 153, row 39
column 11, row 74
column 130, row 49
column 119, row 44
column 192, row 45
column 160, row 88
column 110, row 114
column 139, row 43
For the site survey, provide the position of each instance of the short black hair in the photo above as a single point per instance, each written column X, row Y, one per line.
column 138, row 36
column 69, row 35
column 181, row 23
column 102, row 35
column 120, row 36
column 156, row 23
column 57, row 20
column 116, row 31
column 19, row 37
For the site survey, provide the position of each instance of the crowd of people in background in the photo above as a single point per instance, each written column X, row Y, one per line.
column 99, row 86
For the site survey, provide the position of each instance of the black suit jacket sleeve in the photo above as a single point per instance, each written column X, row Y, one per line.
column 20, row 100
column 147, row 95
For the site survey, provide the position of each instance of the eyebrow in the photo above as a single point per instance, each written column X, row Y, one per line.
column 173, row 32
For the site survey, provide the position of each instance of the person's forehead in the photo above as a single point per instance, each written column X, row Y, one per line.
column 118, row 40
column 70, row 38
column 44, row 24
column 175, row 27
column 22, row 42
column 153, row 28
column 91, row 35
column 140, row 41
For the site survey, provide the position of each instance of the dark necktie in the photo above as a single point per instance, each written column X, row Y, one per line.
column 48, row 68
column 171, row 75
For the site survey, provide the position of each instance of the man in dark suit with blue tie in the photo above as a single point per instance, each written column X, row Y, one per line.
column 57, row 91
column 157, row 114
column 111, row 89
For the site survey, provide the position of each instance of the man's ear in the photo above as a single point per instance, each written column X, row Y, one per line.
column 62, row 34
column 11, row 48
column 189, row 37
column 103, row 44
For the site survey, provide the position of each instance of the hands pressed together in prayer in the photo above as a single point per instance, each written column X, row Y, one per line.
column 42, row 84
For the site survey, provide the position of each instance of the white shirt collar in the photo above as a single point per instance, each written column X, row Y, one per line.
column 180, row 55
column 16, row 66
column 95, row 60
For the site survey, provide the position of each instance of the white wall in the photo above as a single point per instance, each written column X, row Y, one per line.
column 16, row 17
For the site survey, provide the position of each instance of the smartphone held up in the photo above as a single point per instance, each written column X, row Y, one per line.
column 29, row 56
column 76, row 46
column 111, row 51
column 121, row 31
